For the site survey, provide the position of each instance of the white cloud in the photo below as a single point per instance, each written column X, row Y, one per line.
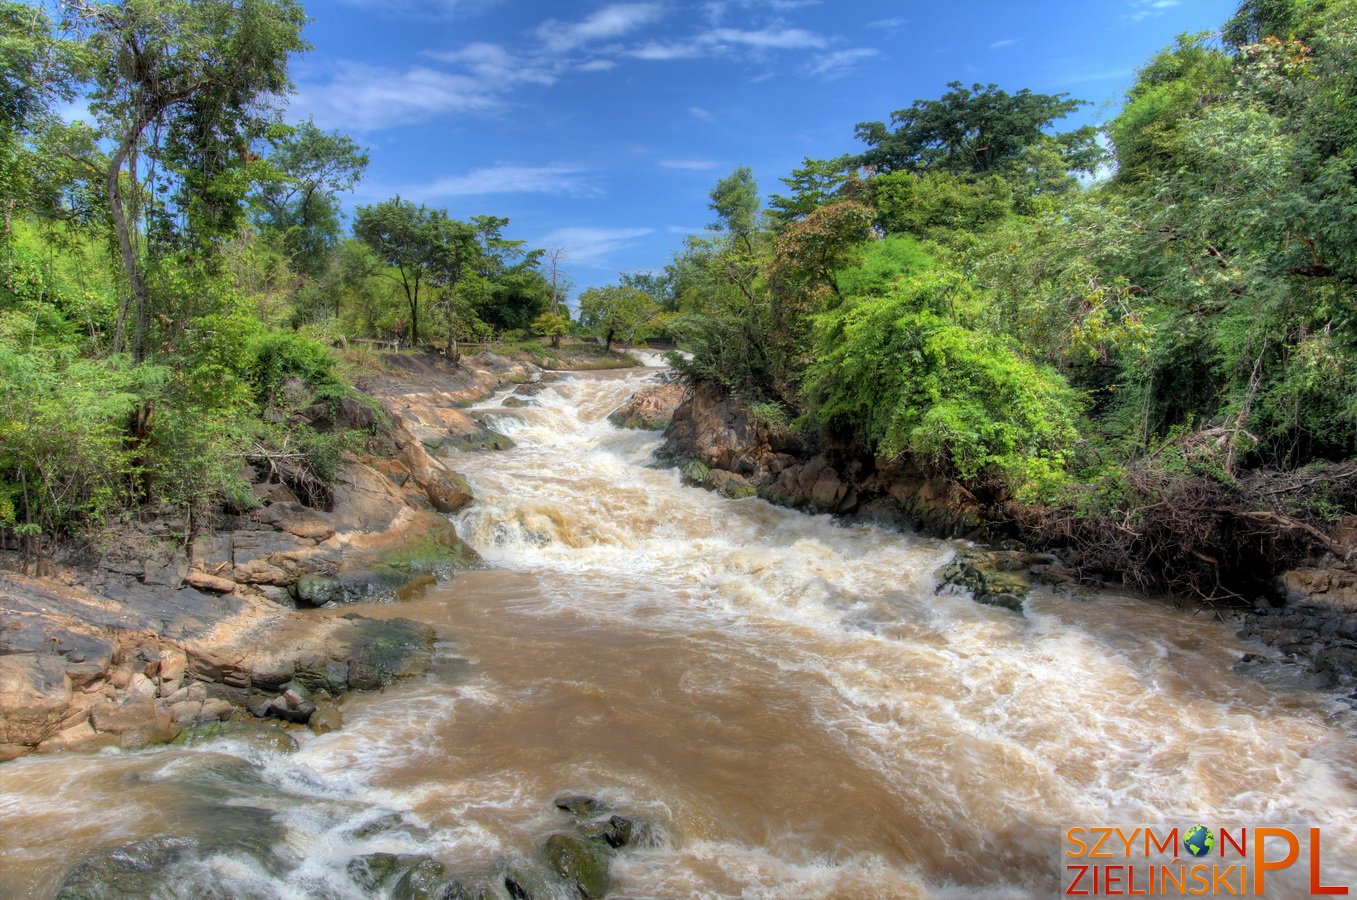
column 498, row 67
column 841, row 62
column 561, row 179
column 765, row 38
column 424, row 9
column 655, row 51
column 608, row 23
column 598, row 65
column 359, row 97
column 895, row 23
column 698, row 112
column 691, row 165
column 1148, row 9
column 717, row 9
column 1006, row 42
column 591, row 246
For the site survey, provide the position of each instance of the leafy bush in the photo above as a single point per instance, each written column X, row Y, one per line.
column 899, row 373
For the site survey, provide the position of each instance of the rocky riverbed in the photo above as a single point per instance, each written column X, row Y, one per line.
column 144, row 635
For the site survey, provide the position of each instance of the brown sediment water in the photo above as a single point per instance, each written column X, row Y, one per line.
column 788, row 698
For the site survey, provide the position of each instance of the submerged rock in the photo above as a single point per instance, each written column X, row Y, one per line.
column 265, row 737
column 1000, row 578
column 579, row 862
column 530, row 880
column 580, row 806
column 140, row 869
column 410, row 877
column 384, row 651
column 170, row 865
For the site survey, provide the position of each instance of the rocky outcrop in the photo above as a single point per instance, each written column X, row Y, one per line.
column 132, row 645
column 725, row 439
column 650, row 408
column 1313, row 619
column 1003, row 577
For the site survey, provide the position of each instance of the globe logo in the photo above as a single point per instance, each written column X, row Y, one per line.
column 1199, row 840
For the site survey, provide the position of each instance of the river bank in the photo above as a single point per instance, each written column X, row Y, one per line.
column 145, row 635
column 782, row 707
column 1309, row 612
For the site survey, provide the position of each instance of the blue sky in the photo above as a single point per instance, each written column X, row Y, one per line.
column 601, row 127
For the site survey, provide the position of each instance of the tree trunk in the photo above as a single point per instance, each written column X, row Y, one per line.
column 608, row 343
column 135, row 280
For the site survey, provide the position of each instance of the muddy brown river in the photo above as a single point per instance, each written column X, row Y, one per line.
column 787, row 698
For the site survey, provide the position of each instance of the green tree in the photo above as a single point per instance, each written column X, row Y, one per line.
column 299, row 205
column 408, row 239
column 181, row 89
column 973, row 131
column 617, row 312
column 553, row 325
column 817, row 183
column 36, row 69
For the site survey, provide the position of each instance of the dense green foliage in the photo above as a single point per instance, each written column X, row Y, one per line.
column 173, row 272
column 1004, row 321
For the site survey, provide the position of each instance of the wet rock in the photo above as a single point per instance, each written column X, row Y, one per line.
column 325, row 719
column 140, row 869
column 293, row 703
column 385, row 651
column 579, row 862
column 421, row 881
column 650, row 408
column 162, row 866
column 471, row 888
column 1000, row 578
column 264, row 737
column 380, row 825
column 410, row 877
column 35, row 693
column 513, row 402
column 479, row 440
column 530, row 880
column 580, row 806
column 695, row 473
column 617, row 832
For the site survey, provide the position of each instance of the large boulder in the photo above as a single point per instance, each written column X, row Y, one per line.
column 35, row 695
column 650, row 408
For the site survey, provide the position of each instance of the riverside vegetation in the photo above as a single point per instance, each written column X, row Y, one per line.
column 1139, row 353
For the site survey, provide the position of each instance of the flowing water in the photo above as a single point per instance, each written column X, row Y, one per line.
column 787, row 698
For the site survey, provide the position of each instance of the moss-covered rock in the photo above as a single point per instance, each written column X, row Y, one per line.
column 477, row 441
column 163, row 866
column 1000, row 578
column 579, row 862
column 423, row 880
column 384, row 651
column 265, row 737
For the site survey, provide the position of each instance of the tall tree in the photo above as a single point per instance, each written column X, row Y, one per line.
column 36, row 69
column 299, row 204
column 972, row 131
column 617, row 312
column 186, row 84
column 409, row 239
